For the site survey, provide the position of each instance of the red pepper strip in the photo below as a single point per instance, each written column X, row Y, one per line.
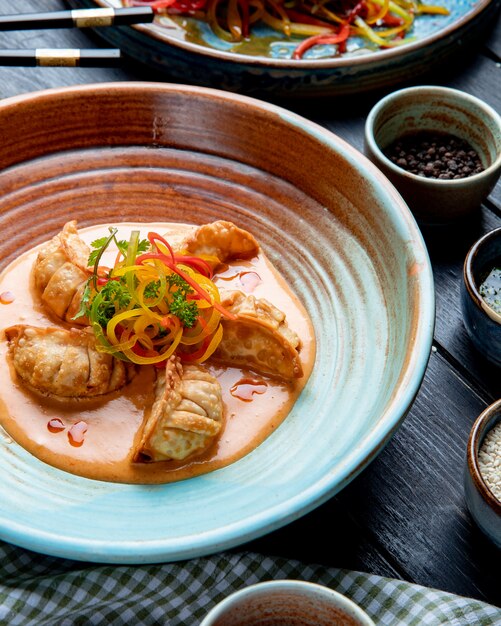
column 152, row 237
column 303, row 18
column 140, row 351
column 193, row 356
column 357, row 10
column 321, row 39
column 392, row 20
column 192, row 283
column 154, row 4
column 199, row 265
column 244, row 11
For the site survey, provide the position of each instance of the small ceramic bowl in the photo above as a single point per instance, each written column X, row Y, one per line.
column 439, row 110
column 286, row 603
column 484, row 506
column 482, row 323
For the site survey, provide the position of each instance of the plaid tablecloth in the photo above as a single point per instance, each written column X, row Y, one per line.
column 39, row 590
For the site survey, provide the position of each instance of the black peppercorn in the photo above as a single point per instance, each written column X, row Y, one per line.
column 435, row 155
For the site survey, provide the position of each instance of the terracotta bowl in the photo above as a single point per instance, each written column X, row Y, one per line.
column 438, row 110
column 484, row 506
column 482, row 322
column 325, row 216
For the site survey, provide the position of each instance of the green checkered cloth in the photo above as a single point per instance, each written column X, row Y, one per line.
column 41, row 590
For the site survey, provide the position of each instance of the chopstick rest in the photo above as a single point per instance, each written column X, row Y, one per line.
column 79, row 18
column 60, row 57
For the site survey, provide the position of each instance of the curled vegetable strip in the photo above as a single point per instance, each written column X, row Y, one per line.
column 153, row 304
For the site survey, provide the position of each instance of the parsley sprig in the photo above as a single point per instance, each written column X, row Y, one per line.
column 100, row 245
column 115, row 294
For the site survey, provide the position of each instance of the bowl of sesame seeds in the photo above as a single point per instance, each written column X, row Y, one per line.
column 483, row 472
column 440, row 147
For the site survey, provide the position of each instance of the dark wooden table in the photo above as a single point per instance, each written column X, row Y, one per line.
column 405, row 515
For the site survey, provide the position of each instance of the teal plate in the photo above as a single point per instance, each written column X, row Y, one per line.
column 187, row 51
column 332, row 224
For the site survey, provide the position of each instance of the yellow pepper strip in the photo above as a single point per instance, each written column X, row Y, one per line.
column 392, row 32
column 218, row 31
column 431, row 9
column 383, row 10
column 215, row 341
column 150, row 360
column 255, row 16
column 367, row 32
column 398, row 10
column 234, row 20
column 115, row 320
column 210, row 327
column 284, row 18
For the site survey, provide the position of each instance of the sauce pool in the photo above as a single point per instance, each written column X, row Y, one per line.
column 100, row 432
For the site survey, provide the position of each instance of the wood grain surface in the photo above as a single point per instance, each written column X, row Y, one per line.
column 405, row 515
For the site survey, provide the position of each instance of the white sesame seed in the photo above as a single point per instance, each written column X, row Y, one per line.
column 489, row 460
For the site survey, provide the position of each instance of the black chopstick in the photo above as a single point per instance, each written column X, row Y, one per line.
column 80, row 18
column 60, row 57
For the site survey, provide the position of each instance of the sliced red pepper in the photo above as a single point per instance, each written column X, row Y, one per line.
column 192, row 283
column 154, row 4
column 305, row 45
column 199, row 265
column 193, row 356
column 152, row 237
column 392, row 20
column 358, row 9
column 244, row 11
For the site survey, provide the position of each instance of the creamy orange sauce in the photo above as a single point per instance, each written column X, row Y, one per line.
column 95, row 437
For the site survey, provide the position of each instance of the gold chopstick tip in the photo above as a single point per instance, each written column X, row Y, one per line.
column 57, row 57
column 91, row 18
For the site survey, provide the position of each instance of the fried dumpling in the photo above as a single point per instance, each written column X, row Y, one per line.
column 223, row 240
column 64, row 363
column 259, row 338
column 186, row 415
column 60, row 273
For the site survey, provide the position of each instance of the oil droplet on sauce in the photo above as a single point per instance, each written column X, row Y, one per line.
column 76, row 434
column 55, row 425
column 247, row 280
column 245, row 388
column 7, row 297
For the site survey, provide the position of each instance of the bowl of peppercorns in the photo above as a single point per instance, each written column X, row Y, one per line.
column 440, row 147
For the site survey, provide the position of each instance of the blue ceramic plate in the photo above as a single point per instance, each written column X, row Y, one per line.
column 187, row 51
column 333, row 225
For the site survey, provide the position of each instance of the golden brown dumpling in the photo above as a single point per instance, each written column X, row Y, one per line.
column 223, row 240
column 259, row 338
column 60, row 272
column 186, row 415
column 64, row 363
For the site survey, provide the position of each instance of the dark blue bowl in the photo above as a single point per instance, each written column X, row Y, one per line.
column 481, row 321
